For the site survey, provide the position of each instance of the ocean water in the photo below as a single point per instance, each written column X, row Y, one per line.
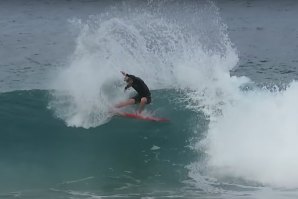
column 224, row 72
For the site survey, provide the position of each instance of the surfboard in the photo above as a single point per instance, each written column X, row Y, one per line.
column 141, row 117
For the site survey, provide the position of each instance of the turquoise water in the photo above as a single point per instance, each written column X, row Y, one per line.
column 40, row 151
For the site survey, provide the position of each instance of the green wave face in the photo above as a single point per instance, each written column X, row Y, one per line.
column 39, row 150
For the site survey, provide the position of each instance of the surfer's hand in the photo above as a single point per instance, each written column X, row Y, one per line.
column 123, row 73
column 126, row 87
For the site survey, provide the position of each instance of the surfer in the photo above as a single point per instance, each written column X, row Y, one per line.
column 143, row 95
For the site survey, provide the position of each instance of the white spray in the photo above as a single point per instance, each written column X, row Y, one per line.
column 251, row 133
column 138, row 41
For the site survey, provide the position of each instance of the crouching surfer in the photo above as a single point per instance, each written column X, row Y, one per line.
column 143, row 95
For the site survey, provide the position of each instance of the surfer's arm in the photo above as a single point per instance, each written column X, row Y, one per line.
column 126, row 87
column 125, row 79
column 128, row 75
column 123, row 73
column 131, row 76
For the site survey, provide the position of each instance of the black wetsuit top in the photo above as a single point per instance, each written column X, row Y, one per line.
column 139, row 85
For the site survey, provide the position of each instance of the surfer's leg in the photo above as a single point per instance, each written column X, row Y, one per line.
column 143, row 102
column 125, row 103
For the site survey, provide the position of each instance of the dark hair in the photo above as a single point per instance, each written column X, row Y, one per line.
column 128, row 78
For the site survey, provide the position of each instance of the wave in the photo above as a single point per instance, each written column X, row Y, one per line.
column 243, row 133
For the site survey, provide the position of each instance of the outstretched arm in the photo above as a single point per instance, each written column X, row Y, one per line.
column 125, row 76
column 123, row 73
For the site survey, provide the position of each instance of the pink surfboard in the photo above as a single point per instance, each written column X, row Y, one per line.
column 140, row 117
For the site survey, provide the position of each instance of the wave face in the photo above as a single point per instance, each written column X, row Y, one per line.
column 40, row 151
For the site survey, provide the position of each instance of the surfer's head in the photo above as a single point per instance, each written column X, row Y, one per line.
column 128, row 80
